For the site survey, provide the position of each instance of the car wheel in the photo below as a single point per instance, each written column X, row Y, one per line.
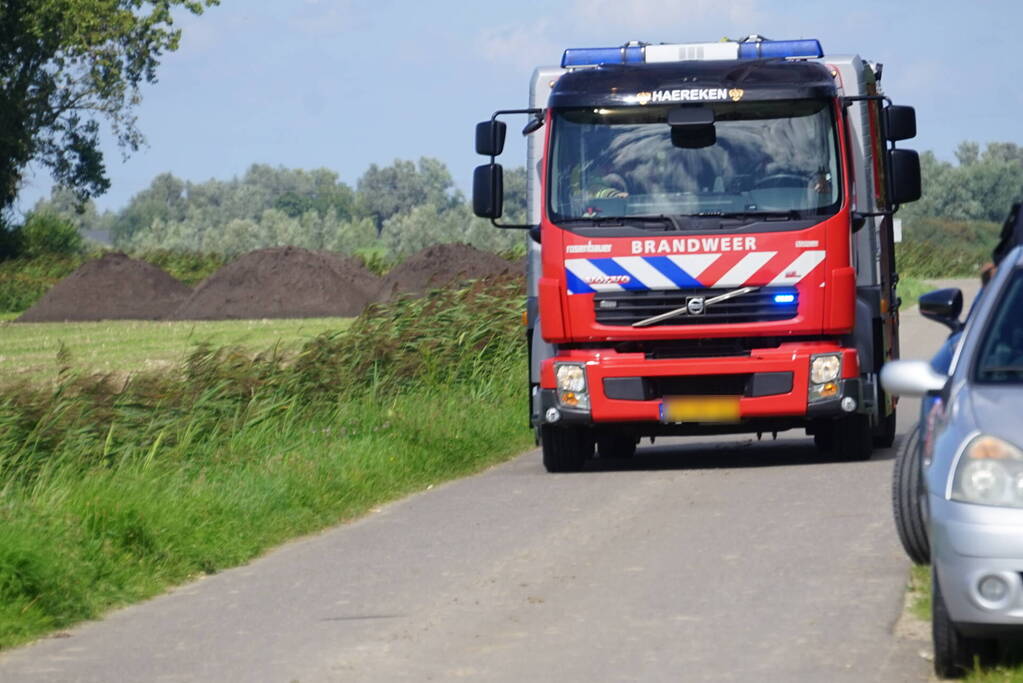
column 954, row 653
column 616, row 446
column 565, row 449
column 853, row 440
column 908, row 498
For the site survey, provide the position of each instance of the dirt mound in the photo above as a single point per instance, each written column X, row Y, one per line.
column 440, row 265
column 114, row 287
column 282, row 282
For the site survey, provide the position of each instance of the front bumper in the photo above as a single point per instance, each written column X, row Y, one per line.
column 771, row 385
column 969, row 543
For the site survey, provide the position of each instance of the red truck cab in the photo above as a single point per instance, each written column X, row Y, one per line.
column 697, row 267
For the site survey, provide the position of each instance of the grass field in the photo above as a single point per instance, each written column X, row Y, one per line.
column 29, row 350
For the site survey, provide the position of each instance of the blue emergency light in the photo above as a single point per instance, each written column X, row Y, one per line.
column 637, row 53
column 784, row 298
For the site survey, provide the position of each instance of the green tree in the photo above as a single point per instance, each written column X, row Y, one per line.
column 398, row 188
column 64, row 64
column 47, row 233
column 164, row 199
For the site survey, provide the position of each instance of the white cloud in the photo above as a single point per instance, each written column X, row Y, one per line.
column 316, row 18
column 657, row 15
column 613, row 22
column 522, row 47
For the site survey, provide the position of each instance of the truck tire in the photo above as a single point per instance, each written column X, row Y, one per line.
column 565, row 449
column 824, row 437
column 853, row 439
column 884, row 433
column 954, row 653
column 616, row 446
column 908, row 498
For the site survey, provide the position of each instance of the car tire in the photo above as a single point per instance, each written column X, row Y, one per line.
column 954, row 653
column 909, row 498
column 853, row 440
column 616, row 446
column 565, row 449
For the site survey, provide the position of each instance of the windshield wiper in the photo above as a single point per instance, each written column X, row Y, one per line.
column 666, row 220
column 789, row 215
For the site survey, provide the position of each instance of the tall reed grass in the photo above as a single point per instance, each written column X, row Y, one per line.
column 111, row 490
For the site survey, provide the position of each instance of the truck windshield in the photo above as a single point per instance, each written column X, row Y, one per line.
column 776, row 158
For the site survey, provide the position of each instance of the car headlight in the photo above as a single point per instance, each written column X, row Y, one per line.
column 571, row 382
column 825, row 368
column 989, row 472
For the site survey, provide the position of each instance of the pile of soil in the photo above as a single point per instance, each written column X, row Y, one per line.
column 441, row 265
column 114, row 287
column 282, row 282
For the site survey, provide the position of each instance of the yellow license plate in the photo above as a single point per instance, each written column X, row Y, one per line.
column 700, row 409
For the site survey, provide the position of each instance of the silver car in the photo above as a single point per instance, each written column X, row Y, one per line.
column 971, row 464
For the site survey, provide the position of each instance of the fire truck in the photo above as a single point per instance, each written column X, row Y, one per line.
column 710, row 244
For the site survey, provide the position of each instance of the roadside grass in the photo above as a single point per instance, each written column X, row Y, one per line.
column 29, row 350
column 909, row 290
column 941, row 248
column 110, row 492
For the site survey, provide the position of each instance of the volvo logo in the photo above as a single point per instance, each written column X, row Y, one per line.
column 696, row 305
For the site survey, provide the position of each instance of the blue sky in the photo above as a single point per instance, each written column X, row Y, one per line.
column 342, row 84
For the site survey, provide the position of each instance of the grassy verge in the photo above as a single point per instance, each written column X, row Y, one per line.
column 109, row 493
column 909, row 290
column 28, row 350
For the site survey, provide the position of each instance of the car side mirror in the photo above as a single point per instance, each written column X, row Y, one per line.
column 905, row 169
column 943, row 306
column 900, row 122
column 911, row 378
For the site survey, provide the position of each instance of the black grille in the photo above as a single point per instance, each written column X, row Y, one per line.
column 626, row 308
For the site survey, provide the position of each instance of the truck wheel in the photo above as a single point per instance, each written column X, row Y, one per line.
column 824, row 437
column 954, row 653
column 853, row 440
column 884, row 434
column 908, row 499
column 565, row 449
column 616, row 446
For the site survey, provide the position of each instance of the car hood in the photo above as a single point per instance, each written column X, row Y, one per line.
column 994, row 410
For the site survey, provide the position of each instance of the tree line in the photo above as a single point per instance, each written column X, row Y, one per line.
column 392, row 210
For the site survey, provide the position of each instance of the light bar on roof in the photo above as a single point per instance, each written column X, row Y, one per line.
column 633, row 53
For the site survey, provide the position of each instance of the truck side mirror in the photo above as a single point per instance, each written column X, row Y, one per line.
column 488, row 189
column 905, row 174
column 490, row 137
column 900, row 122
column 943, row 306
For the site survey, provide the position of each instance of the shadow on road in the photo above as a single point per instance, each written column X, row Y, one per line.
column 694, row 454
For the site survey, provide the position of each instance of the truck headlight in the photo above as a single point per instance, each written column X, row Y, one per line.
column 825, row 368
column 989, row 472
column 824, row 372
column 571, row 381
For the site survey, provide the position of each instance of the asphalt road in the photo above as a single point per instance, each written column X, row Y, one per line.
column 723, row 560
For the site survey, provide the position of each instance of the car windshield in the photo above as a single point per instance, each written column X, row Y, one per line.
column 1001, row 350
column 764, row 158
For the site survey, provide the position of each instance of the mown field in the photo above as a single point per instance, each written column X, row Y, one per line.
column 30, row 350
column 113, row 488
